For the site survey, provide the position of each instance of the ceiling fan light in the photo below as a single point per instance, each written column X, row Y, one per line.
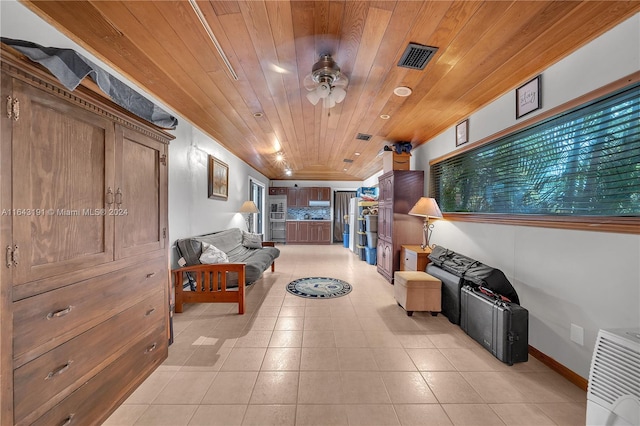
column 323, row 90
column 313, row 97
column 338, row 94
column 329, row 102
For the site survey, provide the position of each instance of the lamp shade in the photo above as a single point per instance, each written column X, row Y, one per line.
column 426, row 207
column 249, row 207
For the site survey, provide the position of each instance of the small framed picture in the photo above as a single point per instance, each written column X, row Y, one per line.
column 528, row 97
column 462, row 133
column 218, row 179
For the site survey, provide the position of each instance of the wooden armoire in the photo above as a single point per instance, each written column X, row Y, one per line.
column 399, row 190
column 84, row 281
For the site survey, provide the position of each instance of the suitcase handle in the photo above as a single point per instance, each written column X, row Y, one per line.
column 490, row 293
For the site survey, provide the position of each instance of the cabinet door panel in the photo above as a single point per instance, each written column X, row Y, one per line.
column 140, row 194
column 303, row 232
column 62, row 166
column 325, row 194
column 303, row 197
column 385, row 259
column 292, row 232
column 385, row 221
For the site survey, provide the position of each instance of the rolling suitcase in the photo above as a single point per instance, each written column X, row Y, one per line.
column 501, row 327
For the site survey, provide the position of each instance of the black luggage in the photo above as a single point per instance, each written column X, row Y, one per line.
column 501, row 327
column 473, row 271
column 451, row 285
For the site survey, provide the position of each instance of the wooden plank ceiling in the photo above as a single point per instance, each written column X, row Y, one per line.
column 485, row 49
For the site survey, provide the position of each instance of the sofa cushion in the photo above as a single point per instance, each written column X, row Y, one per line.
column 250, row 240
column 211, row 254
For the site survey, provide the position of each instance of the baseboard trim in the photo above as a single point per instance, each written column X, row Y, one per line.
column 573, row 377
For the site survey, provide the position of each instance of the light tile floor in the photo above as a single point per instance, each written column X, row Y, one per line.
column 354, row 360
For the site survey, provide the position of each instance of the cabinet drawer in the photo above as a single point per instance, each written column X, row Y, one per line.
column 47, row 320
column 409, row 260
column 74, row 362
column 119, row 379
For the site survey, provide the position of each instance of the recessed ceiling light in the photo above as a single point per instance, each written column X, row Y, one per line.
column 402, row 91
column 258, row 114
column 287, row 172
column 279, row 156
column 344, row 170
column 385, row 116
column 356, row 153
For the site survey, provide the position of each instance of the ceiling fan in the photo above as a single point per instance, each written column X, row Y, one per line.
column 326, row 82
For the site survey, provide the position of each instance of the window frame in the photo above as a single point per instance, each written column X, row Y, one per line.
column 616, row 224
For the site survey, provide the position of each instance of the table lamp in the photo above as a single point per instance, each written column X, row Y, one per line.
column 426, row 207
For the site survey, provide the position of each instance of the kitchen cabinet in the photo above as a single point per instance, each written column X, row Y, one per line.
column 308, row 232
column 84, row 300
column 297, row 197
column 297, row 231
column 278, row 190
column 319, row 193
column 300, row 197
column 399, row 191
column 320, row 232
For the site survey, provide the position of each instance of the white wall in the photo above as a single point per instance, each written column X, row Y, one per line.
column 191, row 212
column 563, row 277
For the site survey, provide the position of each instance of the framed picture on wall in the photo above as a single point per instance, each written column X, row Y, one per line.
column 218, row 179
column 462, row 133
column 528, row 97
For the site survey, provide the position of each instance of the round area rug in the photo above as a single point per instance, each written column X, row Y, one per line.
column 319, row 287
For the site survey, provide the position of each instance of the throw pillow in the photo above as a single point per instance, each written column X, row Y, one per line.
column 253, row 241
column 212, row 254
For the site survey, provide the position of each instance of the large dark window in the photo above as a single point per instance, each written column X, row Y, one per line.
column 583, row 162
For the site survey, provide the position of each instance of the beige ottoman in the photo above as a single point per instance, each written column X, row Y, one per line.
column 417, row 291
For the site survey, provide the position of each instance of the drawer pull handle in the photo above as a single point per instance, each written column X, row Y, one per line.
column 60, row 313
column 149, row 312
column 67, row 421
column 151, row 275
column 58, row 371
column 150, row 349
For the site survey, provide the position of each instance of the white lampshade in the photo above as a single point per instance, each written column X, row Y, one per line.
column 426, row 207
column 338, row 94
column 329, row 102
column 313, row 97
column 249, row 207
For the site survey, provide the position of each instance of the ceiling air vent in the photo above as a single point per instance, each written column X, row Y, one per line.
column 348, row 160
column 363, row 137
column 416, row 56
